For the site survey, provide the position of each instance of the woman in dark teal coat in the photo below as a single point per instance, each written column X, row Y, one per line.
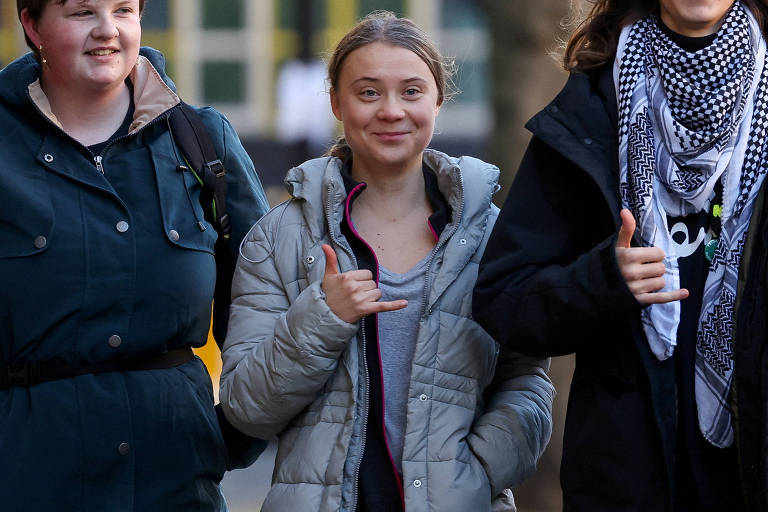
column 107, row 270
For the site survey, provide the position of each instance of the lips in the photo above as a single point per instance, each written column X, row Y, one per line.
column 390, row 135
column 101, row 52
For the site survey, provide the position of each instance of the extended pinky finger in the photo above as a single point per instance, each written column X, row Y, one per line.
column 662, row 297
column 381, row 307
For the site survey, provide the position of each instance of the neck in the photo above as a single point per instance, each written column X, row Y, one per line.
column 396, row 193
column 86, row 116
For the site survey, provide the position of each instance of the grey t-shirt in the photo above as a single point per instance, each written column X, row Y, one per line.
column 397, row 342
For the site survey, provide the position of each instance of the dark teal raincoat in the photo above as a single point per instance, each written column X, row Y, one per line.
column 95, row 267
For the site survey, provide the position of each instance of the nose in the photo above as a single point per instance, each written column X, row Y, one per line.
column 390, row 109
column 105, row 28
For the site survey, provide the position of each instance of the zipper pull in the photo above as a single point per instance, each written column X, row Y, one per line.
column 99, row 167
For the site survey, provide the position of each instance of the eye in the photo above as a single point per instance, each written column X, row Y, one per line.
column 369, row 93
column 412, row 91
column 81, row 14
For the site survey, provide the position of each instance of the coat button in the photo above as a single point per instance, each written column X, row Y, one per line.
column 48, row 157
column 423, row 397
column 40, row 242
column 417, row 483
column 115, row 341
column 124, row 449
column 310, row 260
column 463, row 241
column 554, row 108
column 122, row 226
column 173, row 235
column 588, row 141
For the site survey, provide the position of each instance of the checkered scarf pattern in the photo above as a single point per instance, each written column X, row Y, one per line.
column 687, row 120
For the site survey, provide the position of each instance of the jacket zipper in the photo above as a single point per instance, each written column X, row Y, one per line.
column 440, row 244
column 98, row 158
column 366, row 407
column 99, row 167
column 366, row 400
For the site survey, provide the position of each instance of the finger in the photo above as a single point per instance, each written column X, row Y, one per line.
column 647, row 285
column 382, row 307
column 359, row 275
column 331, row 262
column 638, row 272
column 370, row 295
column 365, row 286
column 662, row 297
column 627, row 228
column 640, row 254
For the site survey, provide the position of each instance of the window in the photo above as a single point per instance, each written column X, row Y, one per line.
column 288, row 14
column 461, row 14
column 368, row 6
column 223, row 82
column 472, row 80
column 155, row 14
column 223, row 14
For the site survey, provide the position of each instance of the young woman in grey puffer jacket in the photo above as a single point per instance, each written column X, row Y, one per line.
column 350, row 335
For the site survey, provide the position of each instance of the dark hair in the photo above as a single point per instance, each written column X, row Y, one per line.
column 594, row 42
column 385, row 27
column 35, row 9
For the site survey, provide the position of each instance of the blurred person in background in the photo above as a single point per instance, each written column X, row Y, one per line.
column 107, row 271
column 402, row 403
column 634, row 237
column 303, row 116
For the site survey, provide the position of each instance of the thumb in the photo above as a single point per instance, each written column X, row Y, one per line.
column 331, row 263
column 627, row 229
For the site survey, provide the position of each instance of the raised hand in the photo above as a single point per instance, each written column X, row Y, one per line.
column 643, row 267
column 352, row 295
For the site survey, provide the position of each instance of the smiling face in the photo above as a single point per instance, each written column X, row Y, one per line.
column 387, row 100
column 694, row 18
column 87, row 44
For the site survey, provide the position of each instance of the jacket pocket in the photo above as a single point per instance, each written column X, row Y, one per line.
column 184, row 221
column 26, row 213
column 466, row 349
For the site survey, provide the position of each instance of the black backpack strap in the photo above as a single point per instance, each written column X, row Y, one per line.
column 192, row 137
column 195, row 143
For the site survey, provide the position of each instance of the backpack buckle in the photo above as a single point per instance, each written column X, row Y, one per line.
column 216, row 168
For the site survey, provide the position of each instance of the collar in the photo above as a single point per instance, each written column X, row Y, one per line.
column 441, row 210
column 151, row 95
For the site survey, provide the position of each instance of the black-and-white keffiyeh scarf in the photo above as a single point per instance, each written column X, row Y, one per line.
column 686, row 120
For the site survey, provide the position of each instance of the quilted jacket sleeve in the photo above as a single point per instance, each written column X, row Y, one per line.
column 279, row 352
column 516, row 426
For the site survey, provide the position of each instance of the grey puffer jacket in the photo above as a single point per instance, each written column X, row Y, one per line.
column 477, row 419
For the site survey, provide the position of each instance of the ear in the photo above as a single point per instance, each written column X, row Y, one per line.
column 30, row 27
column 335, row 104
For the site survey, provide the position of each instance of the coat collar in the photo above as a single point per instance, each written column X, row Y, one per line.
column 151, row 95
column 581, row 124
column 464, row 186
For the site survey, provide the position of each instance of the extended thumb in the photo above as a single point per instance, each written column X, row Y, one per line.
column 331, row 263
column 627, row 229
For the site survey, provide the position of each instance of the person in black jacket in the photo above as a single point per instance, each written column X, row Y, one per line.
column 633, row 236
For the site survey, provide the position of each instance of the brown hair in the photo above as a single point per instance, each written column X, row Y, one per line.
column 594, row 42
column 35, row 8
column 385, row 27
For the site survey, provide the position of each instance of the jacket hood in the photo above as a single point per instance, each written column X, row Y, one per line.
column 466, row 183
column 154, row 92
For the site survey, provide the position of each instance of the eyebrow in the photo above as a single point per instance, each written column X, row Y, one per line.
column 372, row 79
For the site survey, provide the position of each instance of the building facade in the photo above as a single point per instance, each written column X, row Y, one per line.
column 227, row 53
